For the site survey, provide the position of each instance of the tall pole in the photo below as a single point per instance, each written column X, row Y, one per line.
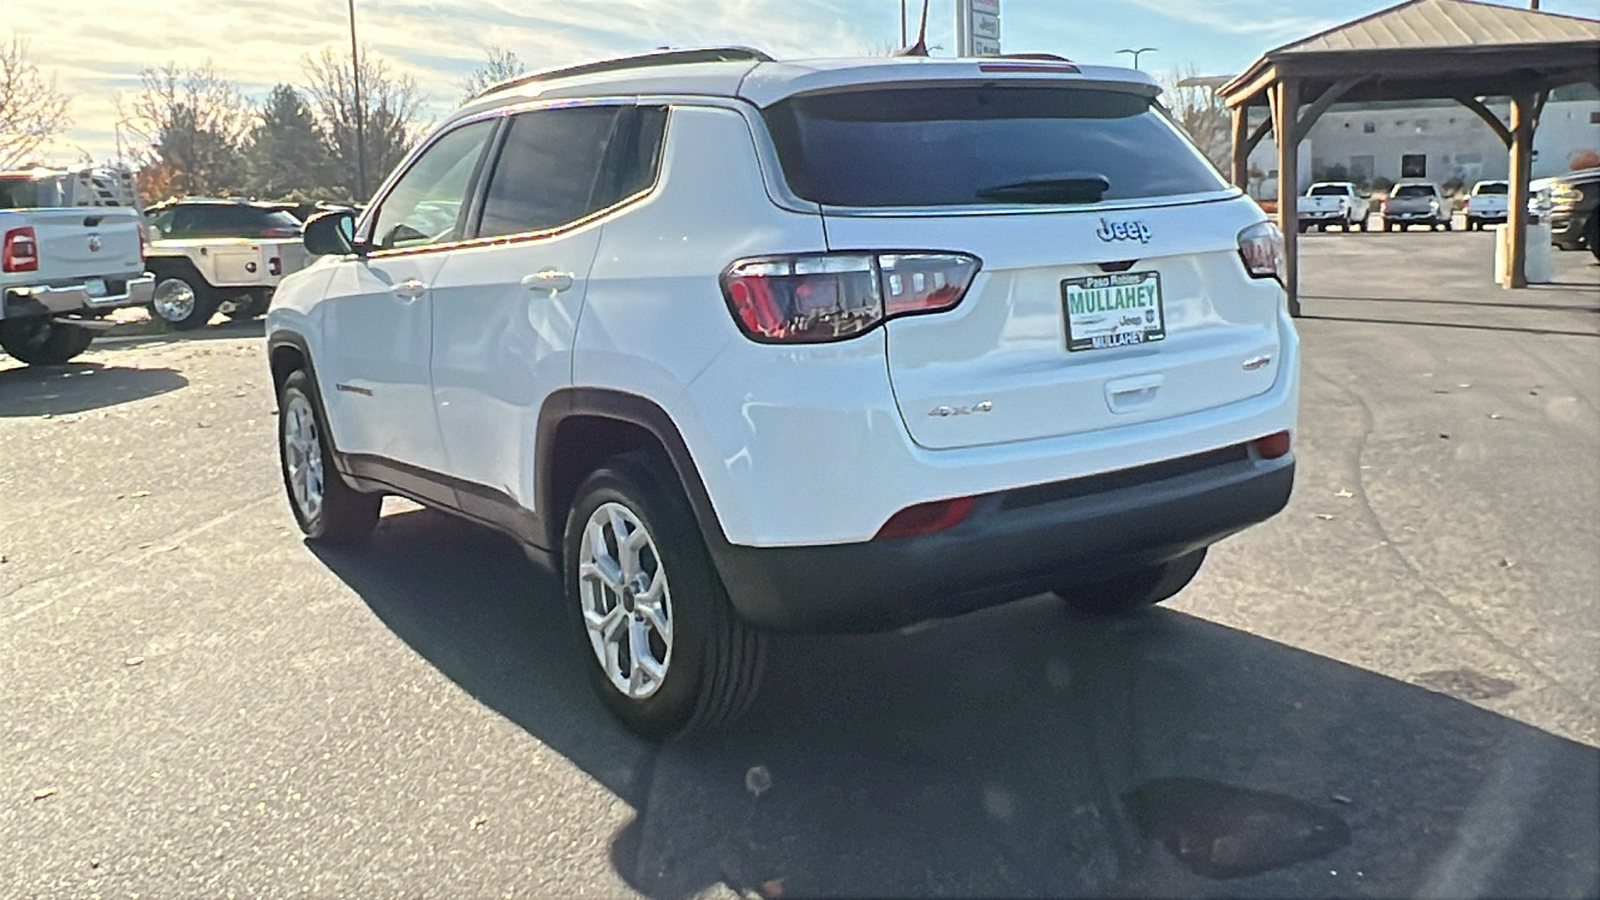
column 903, row 36
column 1136, row 53
column 361, row 118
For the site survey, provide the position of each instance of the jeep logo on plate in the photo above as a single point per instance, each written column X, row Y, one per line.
column 1123, row 231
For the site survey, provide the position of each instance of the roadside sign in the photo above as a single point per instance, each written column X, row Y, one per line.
column 978, row 27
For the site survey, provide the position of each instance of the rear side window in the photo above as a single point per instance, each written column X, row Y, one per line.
column 548, row 170
column 20, row 193
column 954, row 146
column 1414, row 190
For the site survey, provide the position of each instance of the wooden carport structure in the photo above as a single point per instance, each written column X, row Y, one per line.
column 1460, row 50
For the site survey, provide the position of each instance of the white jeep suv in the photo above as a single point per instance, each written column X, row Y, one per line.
column 740, row 345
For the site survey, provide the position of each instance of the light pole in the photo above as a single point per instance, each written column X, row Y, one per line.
column 1135, row 53
column 903, row 23
column 361, row 127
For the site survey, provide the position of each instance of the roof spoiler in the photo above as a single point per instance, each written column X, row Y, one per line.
column 642, row 61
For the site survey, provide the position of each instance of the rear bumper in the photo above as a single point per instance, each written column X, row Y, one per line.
column 40, row 300
column 1012, row 544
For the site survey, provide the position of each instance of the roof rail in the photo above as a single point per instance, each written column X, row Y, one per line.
column 659, row 58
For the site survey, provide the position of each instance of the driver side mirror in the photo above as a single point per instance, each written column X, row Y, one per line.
column 332, row 234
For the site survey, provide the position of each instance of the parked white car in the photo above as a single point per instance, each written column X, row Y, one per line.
column 1487, row 204
column 740, row 345
column 1333, row 203
column 62, row 268
column 218, row 254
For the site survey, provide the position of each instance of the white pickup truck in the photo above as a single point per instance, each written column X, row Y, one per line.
column 1488, row 204
column 62, row 269
column 1333, row 203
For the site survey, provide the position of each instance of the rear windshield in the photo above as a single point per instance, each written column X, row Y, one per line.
column 1492, row 187
column 20, row 193
column 955, row 146
column 1330, row 190
column 1413, row 190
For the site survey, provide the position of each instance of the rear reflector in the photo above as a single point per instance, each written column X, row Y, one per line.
column 1272, row 446
column 926, row 518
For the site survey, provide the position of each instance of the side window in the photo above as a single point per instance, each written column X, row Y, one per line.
column 163, row 221
column 425, row 204
column 547, row 172
column 638, row 156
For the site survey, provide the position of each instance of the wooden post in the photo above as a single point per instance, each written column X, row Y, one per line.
column 1522, row 113
column 1287, row 111
column 1241, row 146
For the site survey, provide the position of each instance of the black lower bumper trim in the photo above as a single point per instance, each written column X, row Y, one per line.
column 1013, row 544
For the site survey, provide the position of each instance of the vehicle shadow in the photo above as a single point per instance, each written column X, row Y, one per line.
column 1018, row 752
column 222, row 328
column 79, row 387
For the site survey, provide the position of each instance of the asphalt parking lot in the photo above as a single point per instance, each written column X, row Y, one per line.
column 1390, row 689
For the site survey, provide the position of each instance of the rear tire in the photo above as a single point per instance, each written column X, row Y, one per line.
column 325, row 508
column 183, row 302
column 1592, row 235
column 1134, row 590
column 1362, row 226
column 662, row 644
column 38, row 341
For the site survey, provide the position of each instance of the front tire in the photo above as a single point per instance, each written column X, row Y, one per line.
column 38, row 341
column 663, row 645
column 325, row 508
column 183, row 302
column 1134, row 590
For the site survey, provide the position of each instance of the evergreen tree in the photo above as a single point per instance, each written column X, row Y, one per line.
column 287, row 152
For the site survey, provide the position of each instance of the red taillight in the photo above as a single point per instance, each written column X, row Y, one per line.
column 1273, row 445
column 1467, row 203
column 926, row 518
column 20, row 251
column 820, row 297
column 1261, row 250
column 1383, row 205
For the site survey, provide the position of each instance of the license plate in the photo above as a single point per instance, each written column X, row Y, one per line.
column 1113, row 310
column 95, row 287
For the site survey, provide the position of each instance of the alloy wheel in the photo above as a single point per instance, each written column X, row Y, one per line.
column 174, row 300
column 302, row 455
column 626, row 603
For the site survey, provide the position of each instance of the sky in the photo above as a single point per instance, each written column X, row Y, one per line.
column 96, row 48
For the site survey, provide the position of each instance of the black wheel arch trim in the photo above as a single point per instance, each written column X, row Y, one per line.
column 177, row 266
column 632, row 409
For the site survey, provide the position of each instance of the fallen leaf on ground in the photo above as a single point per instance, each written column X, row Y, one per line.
column 479, row 822
column 772, row 889
column 1340, row 798
column 1325, row 517
column 1507, row 562
column 1344, row 494
column 137, row 495
column 1496, row 416
column 133, row 661
column 42, row 793
column 757, row 780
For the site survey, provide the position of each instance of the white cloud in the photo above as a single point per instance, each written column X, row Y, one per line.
column 96, row 48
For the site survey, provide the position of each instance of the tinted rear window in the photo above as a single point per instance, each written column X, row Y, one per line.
column 953, row 146
column 1413, row 190
column 20, row 193
column 1493, row 187
column 1330, row 190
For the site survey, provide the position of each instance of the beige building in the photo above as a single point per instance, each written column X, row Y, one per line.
column 1438, row 141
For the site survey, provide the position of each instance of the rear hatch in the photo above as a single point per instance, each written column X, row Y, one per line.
column 1111, row 290
column 85, row 243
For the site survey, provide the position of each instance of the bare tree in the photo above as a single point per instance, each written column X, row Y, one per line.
column 32, row 111
column 390, row 105
column 1193, row 101
column 499, row 65
column 192, row 125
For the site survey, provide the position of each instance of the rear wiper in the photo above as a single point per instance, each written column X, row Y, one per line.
column 1087, row 188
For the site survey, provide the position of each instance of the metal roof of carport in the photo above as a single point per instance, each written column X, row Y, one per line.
column 1461, row 50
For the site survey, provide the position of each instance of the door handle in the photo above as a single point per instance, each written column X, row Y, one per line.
column 548, row 280
column 409, row 290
